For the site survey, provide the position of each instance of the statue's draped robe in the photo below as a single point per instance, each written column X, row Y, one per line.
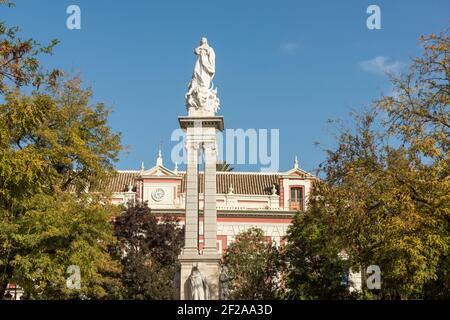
column 199, row 287
column 201, row 96
column 204, row 67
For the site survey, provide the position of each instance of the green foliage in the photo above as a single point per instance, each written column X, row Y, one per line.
column 388, row 204
column 51, row 143
column 55, row 232
column 254, row 264
column 19, row 63
column 418, row 112
column 148, row 249
column 316, row 268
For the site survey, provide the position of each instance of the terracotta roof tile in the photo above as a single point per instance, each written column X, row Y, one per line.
column 243, row 183
column 118, row 183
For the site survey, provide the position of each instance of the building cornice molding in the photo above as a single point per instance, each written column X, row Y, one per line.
column 189, row 122
column 232, row 213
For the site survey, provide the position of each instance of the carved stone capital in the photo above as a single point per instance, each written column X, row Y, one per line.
column 192, row 145
column 209, row 146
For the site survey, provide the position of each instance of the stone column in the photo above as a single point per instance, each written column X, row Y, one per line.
column 191, row 218
column 203, row 135
column 210, row 211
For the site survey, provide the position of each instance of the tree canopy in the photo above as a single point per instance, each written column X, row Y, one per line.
column 254, row 264
column 385, row 196
column 19, row 59
column 148, row 248
column 54, row 144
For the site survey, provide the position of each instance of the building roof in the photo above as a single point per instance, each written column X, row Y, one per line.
column 250, row 183
column 243, row 183
column 119, row 182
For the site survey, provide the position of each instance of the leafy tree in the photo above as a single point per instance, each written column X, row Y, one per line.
column 19, row 63
column 54, row 233
column 418, row 114
column 373, row 215
column 148, row 249
column 316, row 267
column 385, row 196
column 53, row 142
column 254, row 264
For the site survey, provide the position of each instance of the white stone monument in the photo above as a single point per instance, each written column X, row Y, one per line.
column 200, row 271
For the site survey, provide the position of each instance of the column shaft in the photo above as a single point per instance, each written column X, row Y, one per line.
column 191, row 219
column 210, row 211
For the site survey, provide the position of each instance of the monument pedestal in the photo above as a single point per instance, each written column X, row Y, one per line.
column 209, row 266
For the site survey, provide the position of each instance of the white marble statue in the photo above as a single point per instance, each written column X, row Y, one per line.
column 205, row 66
column 198, row 285
column 201, row 97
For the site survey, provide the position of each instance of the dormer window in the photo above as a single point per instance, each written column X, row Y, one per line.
column 296, row 200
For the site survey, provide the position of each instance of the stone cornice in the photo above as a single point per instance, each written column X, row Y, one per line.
column 233, row 213
column 216, row 122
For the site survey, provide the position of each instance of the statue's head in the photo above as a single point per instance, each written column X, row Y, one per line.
column 203, row 40
column 194, row 268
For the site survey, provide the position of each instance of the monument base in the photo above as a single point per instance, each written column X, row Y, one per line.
column 209, row 266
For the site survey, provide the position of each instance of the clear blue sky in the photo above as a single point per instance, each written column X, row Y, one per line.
column 290, row 65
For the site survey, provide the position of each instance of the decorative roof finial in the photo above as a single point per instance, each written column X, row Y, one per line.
column 296, row 162
column 142, row 166
column 175, row 170
column 159, row 160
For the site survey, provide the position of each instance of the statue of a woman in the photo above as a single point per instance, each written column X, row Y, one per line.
column 205, row 66
column 198, row 285
column 201, row 95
